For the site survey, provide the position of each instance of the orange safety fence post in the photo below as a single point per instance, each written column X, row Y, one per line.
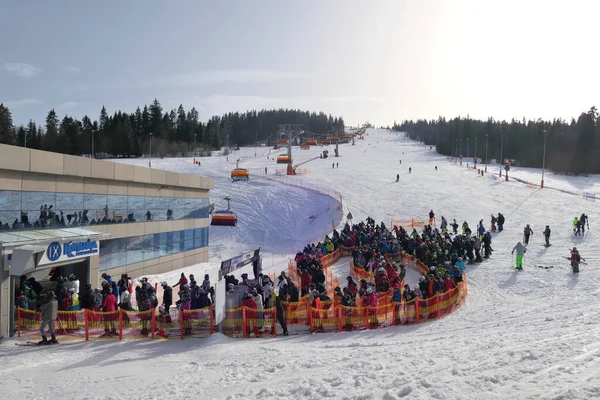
column 212, row 320
column 120, row 324
column 437, row 304
column 85, row 319
column 153, row 324
column 18, row 321
column 417, row 309
column 244, row 321
column 310, row 316
column 181, row 323
column 275, row 322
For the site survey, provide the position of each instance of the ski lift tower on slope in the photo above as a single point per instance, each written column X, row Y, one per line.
column 292, row 131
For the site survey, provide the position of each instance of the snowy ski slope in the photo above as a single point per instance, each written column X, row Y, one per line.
column 520, row 335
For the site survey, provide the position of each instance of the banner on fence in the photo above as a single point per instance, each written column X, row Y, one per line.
column 238, row 262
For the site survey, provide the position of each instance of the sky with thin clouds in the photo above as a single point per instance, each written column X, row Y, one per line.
column 377, row 61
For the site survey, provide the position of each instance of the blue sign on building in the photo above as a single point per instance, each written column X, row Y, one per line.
column 54, row 251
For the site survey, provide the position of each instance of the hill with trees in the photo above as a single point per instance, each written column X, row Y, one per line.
column 173, row 132
column 571, row 147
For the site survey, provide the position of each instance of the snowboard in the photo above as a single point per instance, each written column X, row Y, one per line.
column 545, row 266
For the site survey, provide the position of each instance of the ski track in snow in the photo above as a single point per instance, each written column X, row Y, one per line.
column 520, row 335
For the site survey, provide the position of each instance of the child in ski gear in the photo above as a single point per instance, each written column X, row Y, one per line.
column 49, row 312
column 547, row 232
column 576, row 226
column 521, row 250
column 526, row 233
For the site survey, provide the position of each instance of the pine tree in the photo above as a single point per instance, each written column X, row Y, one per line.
column 51, row 140
column 30, row 135
column 7, row 134
column 156, row 117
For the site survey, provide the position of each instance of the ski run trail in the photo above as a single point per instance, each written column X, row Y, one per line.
column 520, row 335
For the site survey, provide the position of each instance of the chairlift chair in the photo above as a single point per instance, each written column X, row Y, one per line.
column 224, row 217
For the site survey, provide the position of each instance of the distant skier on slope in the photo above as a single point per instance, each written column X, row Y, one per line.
column 521, row 250
column 409, row 170
column 527, row 231
column 547, row 232
column 500, row 222
column 397, row 177
column 577, row 226
column 583, row 220
column 494, row 220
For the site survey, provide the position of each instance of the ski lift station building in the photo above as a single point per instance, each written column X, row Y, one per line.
column 65, row 214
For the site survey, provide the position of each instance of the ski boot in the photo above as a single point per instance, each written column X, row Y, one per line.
column 44, row 340
column 285, row 333
column 53, row 340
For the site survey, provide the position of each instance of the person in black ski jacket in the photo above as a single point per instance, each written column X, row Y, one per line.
column 500, row 222
column 527, row 232
column 87, row 297
column 167, row 296
column 547, row 232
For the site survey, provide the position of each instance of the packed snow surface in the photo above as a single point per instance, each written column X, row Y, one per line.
column 520, row 335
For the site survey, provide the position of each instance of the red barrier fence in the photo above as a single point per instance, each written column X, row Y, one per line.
column 121, row 324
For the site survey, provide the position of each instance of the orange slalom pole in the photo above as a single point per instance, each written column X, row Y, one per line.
column 120, row 324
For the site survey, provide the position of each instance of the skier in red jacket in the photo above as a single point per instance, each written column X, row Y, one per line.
column 109, row 305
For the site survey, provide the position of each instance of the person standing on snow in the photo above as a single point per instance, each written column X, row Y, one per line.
column 431, row 218
column 583, row 220
column 576, row 226
column 547, row 232
column 500, row 222
column 49, row 312
column 575, row 260
column 454, row 226
column 521, row 250
column 397, row 177
column 409, row 170
column 494, row 220
column 526, row 233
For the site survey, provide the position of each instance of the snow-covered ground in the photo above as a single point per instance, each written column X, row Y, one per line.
column 520, row 335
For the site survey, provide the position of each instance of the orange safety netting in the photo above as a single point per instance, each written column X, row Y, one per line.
column 233, row 324
column 136, row 324
column 296, row 313
column 67, row 324
column 325, row 318
column 258, row 323
column 89, row 324
column 197, row 323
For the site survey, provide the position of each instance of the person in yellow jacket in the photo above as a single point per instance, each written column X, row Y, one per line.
column 329, row 246
column 576, row 226
column 74, row 300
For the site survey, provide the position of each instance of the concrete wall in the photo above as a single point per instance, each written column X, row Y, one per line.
column 15, row 158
